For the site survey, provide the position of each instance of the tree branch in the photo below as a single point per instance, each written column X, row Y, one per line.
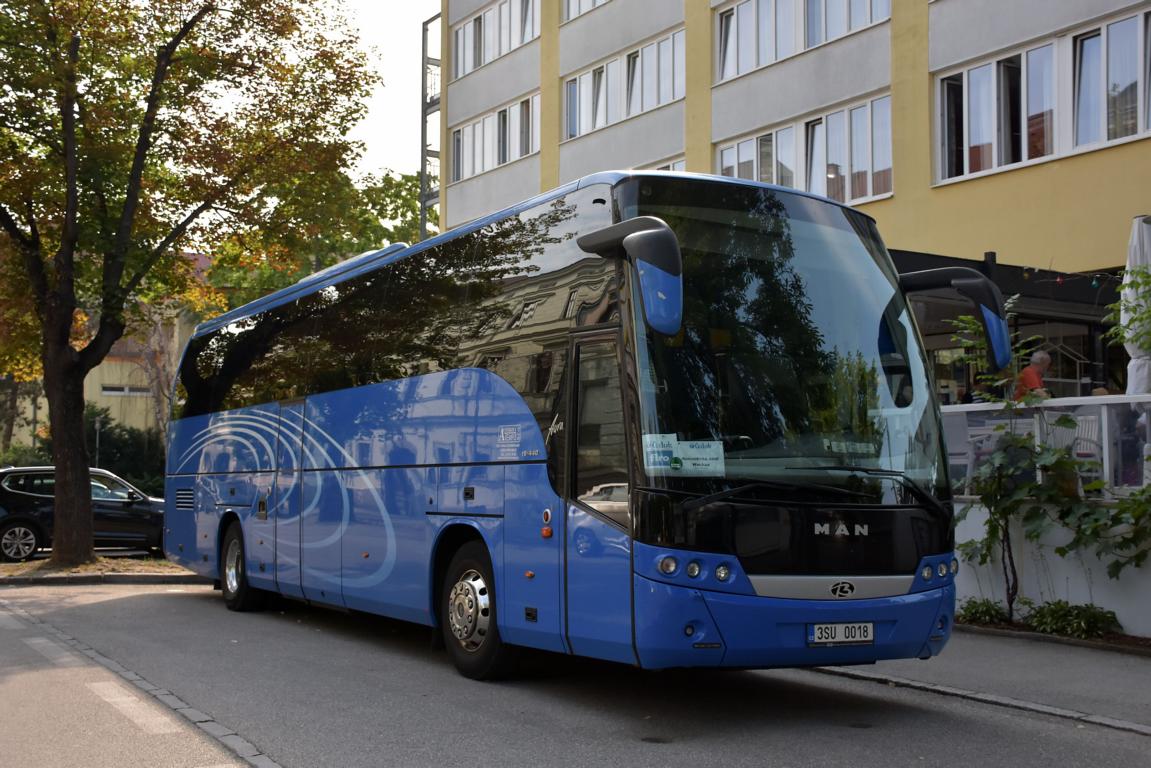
column 113, row 268
column 65, row 272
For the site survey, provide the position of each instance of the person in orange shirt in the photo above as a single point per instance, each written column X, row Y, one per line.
column 1031, row 377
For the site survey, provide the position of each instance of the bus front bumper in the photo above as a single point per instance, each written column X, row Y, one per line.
column 682, row 627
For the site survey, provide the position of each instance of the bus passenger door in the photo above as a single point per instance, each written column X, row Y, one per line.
column 285, row 497
column 597, row 547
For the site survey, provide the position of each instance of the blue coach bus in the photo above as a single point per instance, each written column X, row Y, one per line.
column 661, row 419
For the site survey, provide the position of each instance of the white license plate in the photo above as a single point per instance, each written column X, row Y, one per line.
column 855, row 633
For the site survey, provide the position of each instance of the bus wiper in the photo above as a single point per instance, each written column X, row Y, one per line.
column 773, row 485
column 895, row 474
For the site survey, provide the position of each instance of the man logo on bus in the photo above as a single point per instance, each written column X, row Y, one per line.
column 824, row 529
column 842, row 589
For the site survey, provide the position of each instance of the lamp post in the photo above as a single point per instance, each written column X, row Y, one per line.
column 97, row 425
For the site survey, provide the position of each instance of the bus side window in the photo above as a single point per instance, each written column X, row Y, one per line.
column 601, row 453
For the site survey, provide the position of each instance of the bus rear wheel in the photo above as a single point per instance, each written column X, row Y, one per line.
column 239, row 595
column 468, row 616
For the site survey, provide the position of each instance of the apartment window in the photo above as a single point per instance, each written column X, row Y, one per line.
column 571, row 104
column 495, row 139
column 998, row 114
column 503, row 142
column 846, row 153
column 765, row 159
column 573, row 8
column 1041, row 101
column 835, row 126
column 457, row 155
column 675, row 165
column 525, row 127
column 493, row 32
column 1123, row 78
column 813, row 23
column 728, row 48
column 637, row 81
column 1088, row 94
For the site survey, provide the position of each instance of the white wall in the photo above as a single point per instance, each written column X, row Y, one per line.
column 498, row 82
column 840, row 70
column 961, row 30
column 632, row 143
column 493, row 190
column 1044, row 575
column 612, row 27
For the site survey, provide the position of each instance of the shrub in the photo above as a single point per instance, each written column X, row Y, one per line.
column 1059, row 617
column 981, row 610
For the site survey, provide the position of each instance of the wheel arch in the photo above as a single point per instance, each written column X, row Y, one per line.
column 450, row 539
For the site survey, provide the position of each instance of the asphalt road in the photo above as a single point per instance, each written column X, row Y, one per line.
column 313, row 687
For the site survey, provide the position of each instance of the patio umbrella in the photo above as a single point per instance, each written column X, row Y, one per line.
column 1139, row 369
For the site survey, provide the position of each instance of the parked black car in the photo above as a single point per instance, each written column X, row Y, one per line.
column 123, row 516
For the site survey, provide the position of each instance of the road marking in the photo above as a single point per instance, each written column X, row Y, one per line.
column 54, row 652
column 8, row 621
column 131, row 707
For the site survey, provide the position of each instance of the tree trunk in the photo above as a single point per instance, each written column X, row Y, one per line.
column 10, row 416
column 72, row 529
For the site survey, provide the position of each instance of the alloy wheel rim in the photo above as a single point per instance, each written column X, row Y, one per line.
column 18, row 542
column 232, row 567
column 469, row 610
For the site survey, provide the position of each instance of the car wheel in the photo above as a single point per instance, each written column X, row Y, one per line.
column 468, row 616
column 18, row 542
column 239, row 595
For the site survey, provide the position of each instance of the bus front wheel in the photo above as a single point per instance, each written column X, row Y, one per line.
column 468, row 616
column 239, row 595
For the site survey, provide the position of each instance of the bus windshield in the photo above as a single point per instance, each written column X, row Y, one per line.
column 798, row 359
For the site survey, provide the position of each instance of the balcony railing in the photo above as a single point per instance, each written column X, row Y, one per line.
column 1110, row 437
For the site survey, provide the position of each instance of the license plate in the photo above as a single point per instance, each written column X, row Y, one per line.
column 856, row 633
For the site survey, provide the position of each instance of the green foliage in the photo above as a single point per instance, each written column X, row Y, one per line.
column 136, row 455
column 981, row 610
column 1059, row 617
column 25, row 456
column 316, row 222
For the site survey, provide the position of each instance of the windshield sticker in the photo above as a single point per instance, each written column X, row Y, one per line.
column 666, row 455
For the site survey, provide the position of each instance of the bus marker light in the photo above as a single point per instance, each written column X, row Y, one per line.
column 689, row 630
column 927, row 573
column 365, row 555
column 722, row 572
column 668, row 565
column 954, row 566
column 692, row 569
column 547, row 516
column 529, row 574
column 546, row 531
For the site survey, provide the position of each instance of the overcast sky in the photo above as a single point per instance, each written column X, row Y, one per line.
column 391, row 132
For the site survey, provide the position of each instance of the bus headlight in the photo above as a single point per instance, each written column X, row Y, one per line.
column 692, row 569
column 927, row 573
column 668, row 565
column 942, row 570
column 722, row 572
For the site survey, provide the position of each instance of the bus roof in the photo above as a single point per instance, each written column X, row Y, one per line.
column 367, row 262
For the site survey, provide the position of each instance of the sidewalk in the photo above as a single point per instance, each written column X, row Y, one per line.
column 1083, row 683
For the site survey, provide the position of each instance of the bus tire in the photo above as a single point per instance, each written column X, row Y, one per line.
column 239, row 595
column 468, row 616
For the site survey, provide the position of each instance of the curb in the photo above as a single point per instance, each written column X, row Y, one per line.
column 989, row 698
column 226, row 737
column 104, row 578
column 1039, row 637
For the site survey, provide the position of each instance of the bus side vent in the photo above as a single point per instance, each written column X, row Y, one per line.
column 185, row 499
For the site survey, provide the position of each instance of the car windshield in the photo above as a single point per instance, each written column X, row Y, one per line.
column 798, row 358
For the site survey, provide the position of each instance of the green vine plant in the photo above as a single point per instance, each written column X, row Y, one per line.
column 1021, row 480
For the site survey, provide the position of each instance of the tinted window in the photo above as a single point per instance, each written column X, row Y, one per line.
column 501, row 298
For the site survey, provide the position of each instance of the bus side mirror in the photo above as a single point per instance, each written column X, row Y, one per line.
column 983, row 293
column 654, row 249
